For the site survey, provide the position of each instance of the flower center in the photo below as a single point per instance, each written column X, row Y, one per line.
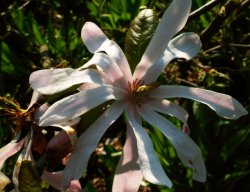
column 139, row 92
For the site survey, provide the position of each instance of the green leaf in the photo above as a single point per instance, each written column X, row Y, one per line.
column 18, row 18
column 235, row 142
column 7, row 59
column 34, row 30
column 139, row 35
column 28, row 177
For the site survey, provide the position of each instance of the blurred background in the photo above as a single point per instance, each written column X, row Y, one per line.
column 46, row 34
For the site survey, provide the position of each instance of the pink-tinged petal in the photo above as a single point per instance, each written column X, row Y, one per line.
column 116, row 53
column 40, row 111
column 96, row 41
column 224, row 105
column 10, row 149
column 185, row 45
column 88, row 141
column 186, row 149
column 58, row 148
column 155, row 70
column 55, row 180
column 4, row 180
column 51, row 81
column 118, row 92
column 93, row 37
column 170, row 108
column 75, row 105
column 42, row 78
column 149, row 163
column 128, row 175
column 35, row 96
column 173, row 20
column 108, row 66
column 85, row 86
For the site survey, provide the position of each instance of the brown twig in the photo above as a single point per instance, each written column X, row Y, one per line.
column 217, row 22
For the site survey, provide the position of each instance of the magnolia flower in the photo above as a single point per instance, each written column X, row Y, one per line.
column 137, row 96
column 57, row 148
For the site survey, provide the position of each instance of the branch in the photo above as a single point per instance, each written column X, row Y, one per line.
column 215, row 25
column 211, row 4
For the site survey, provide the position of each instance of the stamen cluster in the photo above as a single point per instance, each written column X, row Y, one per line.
column 139, row 92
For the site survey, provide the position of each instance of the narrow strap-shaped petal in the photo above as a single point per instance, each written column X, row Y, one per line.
column 118, row 92
column 55, row 180
column 108, row 66
column 173, row 20
column 224, row 105
column 75, row 105
column 26, row 154
column 128, row 175
column 186, row 149
column 88, row 141
column 185, row 45
column 10, row 149
column 96, row 41
column 170, row 108
column 116, row 53
column 50, row 81
column 40, row 111
column 149, row 163
column 34, row 98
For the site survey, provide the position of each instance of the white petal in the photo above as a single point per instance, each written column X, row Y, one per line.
column 128, row 175
column 119, row 93
column 85, row 86
column 108, row 66
column 35, row 96
column 50, row 81
column 92, row 36
column 224, row 105
column 173, row 20
column 45, row 77
column 75, row 105
column 155, row 70
column 149, row 163
column 88, row 141
column 96, row 41
column 185, row 45
column 186, row 149
column 170, row 108
column 116, row 53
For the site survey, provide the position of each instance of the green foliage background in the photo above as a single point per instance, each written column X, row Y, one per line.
column 42, row 34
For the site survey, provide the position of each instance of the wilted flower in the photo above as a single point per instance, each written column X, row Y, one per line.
column 137, row 95
column 29, row 140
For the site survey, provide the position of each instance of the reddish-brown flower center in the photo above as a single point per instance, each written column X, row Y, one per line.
column 139, row 92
